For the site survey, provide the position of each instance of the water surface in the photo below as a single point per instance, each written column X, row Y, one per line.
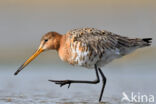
column 31, row 86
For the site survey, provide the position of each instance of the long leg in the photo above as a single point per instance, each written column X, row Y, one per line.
column 64, row 82
column 104, row 83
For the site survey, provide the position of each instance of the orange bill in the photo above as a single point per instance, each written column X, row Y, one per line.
column 29, row 60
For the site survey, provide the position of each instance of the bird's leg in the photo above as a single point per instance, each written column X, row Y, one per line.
column 104, row 83
column 64, row 82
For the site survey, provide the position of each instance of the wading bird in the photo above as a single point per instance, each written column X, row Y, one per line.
column 87, row 47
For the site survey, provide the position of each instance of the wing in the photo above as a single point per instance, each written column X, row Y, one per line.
column 102, row 41
column 91, row 46
column 97, row 40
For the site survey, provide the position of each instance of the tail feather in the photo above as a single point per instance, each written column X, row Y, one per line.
column 127, row 45
column 147, row 40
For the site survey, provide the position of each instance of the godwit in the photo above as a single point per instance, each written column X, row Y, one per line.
column 87, row 47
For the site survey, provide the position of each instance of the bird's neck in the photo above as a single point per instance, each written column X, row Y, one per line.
column 57, row 41
column 60, row 41
column 63, row 49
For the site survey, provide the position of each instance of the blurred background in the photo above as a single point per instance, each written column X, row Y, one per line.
column 24, row 22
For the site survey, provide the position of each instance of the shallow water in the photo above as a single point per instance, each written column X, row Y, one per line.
column 31, row 86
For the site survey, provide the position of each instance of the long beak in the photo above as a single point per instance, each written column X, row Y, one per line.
column 29, row 60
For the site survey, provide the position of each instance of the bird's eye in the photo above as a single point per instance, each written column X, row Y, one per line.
column 46, row 40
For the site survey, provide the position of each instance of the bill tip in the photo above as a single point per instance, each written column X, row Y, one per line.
column 15, row 73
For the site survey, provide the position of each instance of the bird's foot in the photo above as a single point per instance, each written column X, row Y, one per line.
column 62, row 82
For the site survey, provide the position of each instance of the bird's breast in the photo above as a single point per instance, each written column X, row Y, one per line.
column 79, row 53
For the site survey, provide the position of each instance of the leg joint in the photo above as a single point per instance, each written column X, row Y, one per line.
column 97, row 81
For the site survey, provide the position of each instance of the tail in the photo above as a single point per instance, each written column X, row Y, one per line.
column 147, row 41
column 128, row 45
column 139, row 43
column 135, row 42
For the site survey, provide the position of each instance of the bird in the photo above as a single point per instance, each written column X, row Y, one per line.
column 87, row 47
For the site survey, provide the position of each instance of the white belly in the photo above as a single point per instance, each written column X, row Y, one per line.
column 88, row 58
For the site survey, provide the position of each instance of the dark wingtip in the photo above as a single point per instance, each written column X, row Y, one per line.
column 148, row 40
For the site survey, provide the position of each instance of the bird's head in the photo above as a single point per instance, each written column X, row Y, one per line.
column 51, row 40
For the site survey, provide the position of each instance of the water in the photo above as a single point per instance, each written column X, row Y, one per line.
column 31, row 86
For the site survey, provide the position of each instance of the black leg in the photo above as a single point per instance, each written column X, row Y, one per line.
column 64, row 82
column 104, row 83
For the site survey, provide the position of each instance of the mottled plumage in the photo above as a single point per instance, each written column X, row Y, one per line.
column 91, row 46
